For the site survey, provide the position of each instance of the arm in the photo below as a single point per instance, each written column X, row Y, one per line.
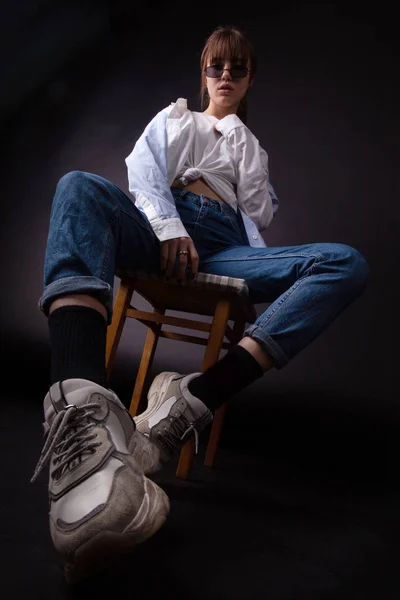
column 255, row 194
column 148, row 180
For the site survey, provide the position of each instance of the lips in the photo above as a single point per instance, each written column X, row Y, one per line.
column 225, row 87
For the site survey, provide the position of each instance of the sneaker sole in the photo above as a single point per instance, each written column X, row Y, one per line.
column 155, row 396
column 105, row 548
column 160, row 384
column 157, row 391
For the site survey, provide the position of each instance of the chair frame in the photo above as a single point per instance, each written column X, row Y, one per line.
column 218, row 329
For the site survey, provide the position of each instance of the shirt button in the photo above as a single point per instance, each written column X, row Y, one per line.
column 255, row 237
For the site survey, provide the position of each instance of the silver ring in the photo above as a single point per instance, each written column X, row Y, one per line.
column 182, row 252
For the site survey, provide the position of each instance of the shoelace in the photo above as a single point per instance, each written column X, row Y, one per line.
column 172, row 436
column 68, row 437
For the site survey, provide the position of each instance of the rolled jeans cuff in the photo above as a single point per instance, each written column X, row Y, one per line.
column 90, row 285
column 268, row 345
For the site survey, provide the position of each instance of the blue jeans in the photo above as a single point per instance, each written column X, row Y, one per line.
column 95, row 230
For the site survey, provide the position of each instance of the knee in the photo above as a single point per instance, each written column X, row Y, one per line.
column 72, row 181
column 356, row 268
column 69, row 187
column 78, row 191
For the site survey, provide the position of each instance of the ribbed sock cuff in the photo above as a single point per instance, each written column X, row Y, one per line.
column 78, row 344
column 235, row 371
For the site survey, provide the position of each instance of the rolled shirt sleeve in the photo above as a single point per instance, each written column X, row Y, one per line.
column 149, row 183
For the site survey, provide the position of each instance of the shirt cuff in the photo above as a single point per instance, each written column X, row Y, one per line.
column 167, row 229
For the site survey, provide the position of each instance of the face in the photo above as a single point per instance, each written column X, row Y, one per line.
column 227, row 89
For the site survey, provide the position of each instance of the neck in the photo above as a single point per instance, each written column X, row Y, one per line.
column 220, row 111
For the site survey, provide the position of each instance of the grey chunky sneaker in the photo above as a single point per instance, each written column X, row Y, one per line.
column 101, row 504
column 172, row 417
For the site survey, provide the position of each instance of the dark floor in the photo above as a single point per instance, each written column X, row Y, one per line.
column 302, row 503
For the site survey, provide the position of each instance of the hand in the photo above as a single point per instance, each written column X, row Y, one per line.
column 171, row 249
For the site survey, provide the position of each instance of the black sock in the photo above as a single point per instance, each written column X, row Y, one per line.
column 78, row 344
column 237, row 369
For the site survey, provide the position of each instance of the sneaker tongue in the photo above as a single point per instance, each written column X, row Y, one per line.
column 77, row 392
column 70, row 391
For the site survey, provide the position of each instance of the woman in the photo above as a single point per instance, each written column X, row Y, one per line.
column 202, row 195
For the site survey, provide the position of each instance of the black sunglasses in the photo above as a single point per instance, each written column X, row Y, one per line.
column 237, row 72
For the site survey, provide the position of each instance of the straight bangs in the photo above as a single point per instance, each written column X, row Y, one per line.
column 228, row 48
column 228, row 44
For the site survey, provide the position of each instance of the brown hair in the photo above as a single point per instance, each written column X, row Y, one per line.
column 229, row 43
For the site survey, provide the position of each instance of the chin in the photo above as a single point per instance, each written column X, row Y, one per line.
column 226, row 102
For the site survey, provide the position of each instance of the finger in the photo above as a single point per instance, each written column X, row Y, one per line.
column 182, row 265
column 172, row 248
column 194, row 260
column 164, row 255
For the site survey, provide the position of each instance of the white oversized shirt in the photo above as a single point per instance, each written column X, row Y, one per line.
column 179, row 143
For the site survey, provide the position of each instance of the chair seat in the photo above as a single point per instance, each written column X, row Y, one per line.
column 199, row 295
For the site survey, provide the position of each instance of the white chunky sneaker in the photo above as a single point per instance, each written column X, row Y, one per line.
column 172, row 417
column 101, row 504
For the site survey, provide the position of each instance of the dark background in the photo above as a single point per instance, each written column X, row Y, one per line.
column 80, row 82
column 83, row 79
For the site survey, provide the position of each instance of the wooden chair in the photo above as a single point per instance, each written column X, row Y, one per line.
column 222, row 298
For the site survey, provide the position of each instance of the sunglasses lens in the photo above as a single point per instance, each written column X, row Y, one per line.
column 237, row 72
column 214, row 71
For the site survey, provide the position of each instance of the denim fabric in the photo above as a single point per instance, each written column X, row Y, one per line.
column 212, row 225
column 95, row 229
column 308, row 286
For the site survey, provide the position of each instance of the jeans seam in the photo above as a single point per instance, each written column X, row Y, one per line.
column 106, row 259
column 290, row 291
column 202, row 208
column 283, row 298
column 317, row 257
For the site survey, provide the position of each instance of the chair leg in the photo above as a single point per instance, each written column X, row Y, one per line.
column 215, row 435
column 219, row 415
column 146, row 362
column 114, row 330
column 211, row 355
